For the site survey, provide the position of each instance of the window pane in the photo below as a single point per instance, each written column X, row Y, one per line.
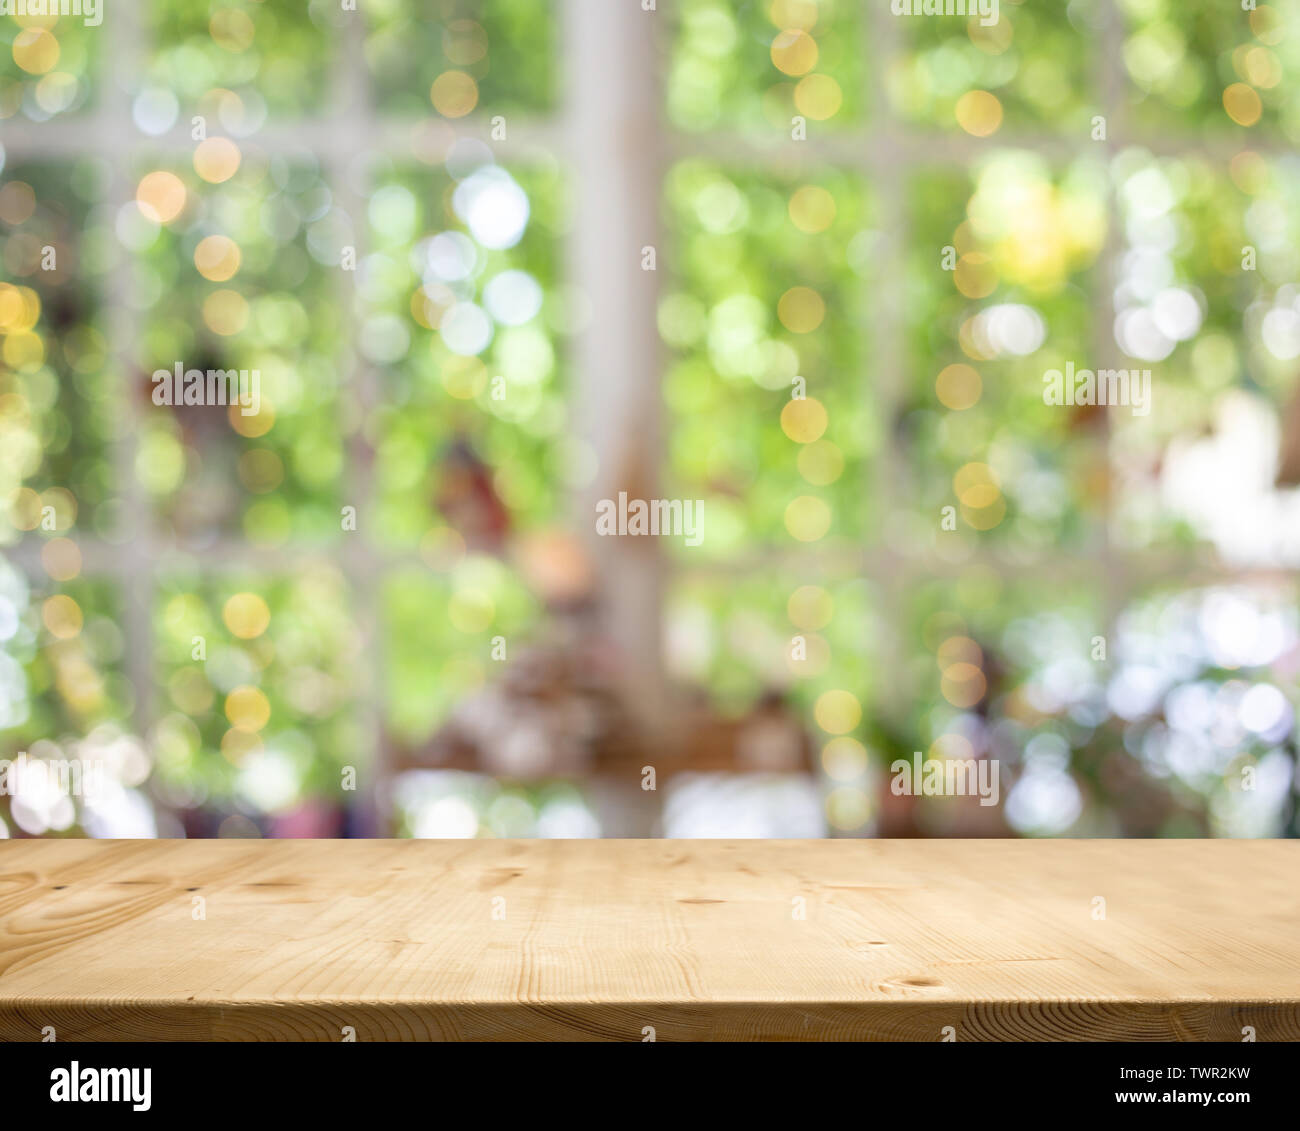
column 256, row 719
column 241, row 60
column 49, row 65
column 461, row 56
column 464, row 322
column 241, row 279
column 757, row 66
column 1011, row 672
column 64, row 699
column 766, row 318
column 1000, row 270
column 1207, row 301
column 448, row 636
column 1032, row 66
column 1212, row 67
column 60, row 398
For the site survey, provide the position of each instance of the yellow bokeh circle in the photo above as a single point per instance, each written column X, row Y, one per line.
column 958, row 387
column 804, row 420
column 808, row 518
column 812, row 209
column 217, row 258
column 794, row 52
column 217, row 159
column 837, row 712
column 1242, row 104
column 454, row 94
column 247, row 708
column 160, row 196
column 979, row 113
column 801, row 310
column 246, row 615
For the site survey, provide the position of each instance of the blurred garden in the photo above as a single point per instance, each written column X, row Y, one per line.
column 377, row 605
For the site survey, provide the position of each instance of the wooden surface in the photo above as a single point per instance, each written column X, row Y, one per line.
column 693, row 939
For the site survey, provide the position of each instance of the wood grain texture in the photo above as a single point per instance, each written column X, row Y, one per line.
column 696, row 939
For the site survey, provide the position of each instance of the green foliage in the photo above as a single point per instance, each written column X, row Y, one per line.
column 257, row 676
column 739, row 256
column 439, row 631
column 275, row 473
column 507, row 47
column 506, row 399
column 999, row 273
column 1181, row 57
column 274, row 58
column 445, row 340
column 743, row 636
column 723, row 74
column 58, row 383
column 1037, row 60
column 49, row 65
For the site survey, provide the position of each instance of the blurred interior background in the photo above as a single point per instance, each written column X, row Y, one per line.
column 497, row 260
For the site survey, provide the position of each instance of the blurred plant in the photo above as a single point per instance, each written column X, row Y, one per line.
column 497, row 57
column 64, row 698
column 998, row 273
column 439, row 631
column 258, row 716
column 464, row 313
column 1028, row 69
column 1178, row 722
column 58, row 389
column 755, row 66
column 49, row 65
column 253, row 246
column 241, row 60
column 765, row 318
column 1212, row 66
column 236, row 258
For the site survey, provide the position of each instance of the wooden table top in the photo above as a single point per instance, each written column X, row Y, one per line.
column 629, row 940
